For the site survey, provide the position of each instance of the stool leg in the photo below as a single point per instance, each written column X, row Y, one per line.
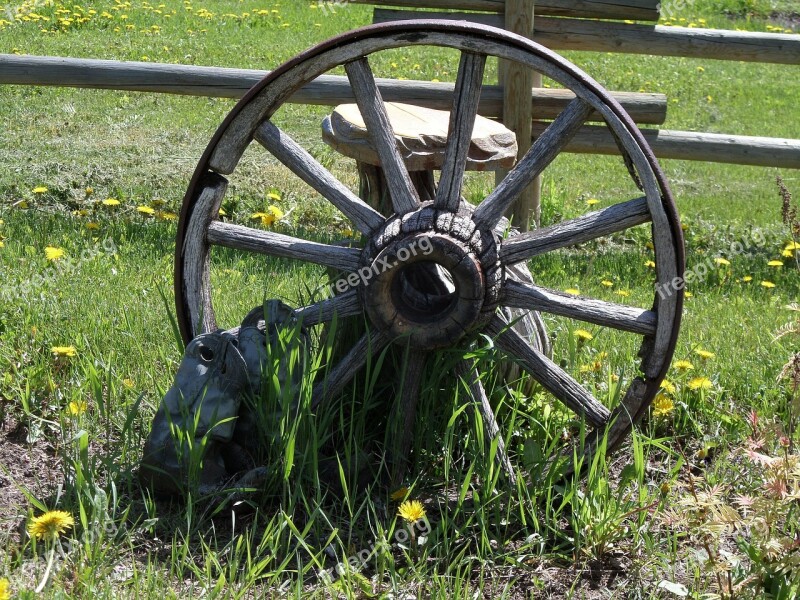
column 425, row 184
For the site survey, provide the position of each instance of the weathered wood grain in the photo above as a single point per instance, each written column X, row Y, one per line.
column 421, row 136
column 607, row 314
column 195, row 255
column 401, row 189
column 471, row 378
column 325, row 90
column 301, row 163
column 406, row 412
column 590, row 226
column 552, row 377
column 341, row 306
column 462, row 123
column 283, row 246
column 693, row 145
column 656, row 40
column 517, row 80
column 542, row 153
column 639, row 10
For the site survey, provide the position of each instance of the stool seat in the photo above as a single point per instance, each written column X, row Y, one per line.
column 421, row 135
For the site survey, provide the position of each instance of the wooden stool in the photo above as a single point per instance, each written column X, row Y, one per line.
column 421, row 135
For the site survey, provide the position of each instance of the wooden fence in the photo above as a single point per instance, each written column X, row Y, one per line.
column 609, row 26
column 594, row 25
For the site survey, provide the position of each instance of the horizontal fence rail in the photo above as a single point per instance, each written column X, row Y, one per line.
column 691, row 145
column 638, row 10
column 327, row 90
column 657, row 40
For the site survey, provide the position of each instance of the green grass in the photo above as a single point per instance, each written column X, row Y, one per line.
column 656, row 511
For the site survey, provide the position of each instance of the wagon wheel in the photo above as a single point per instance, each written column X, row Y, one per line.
column 465, row 241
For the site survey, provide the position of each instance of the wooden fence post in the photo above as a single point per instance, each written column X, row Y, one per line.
column 517, row 82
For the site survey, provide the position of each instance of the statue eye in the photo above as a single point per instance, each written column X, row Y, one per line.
column 207, row 354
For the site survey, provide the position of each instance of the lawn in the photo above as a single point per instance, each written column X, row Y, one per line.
column 701, row 502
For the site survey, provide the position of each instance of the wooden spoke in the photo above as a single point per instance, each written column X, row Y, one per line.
column 370, row 344
column 552, row 377
column 542, row 153
column 462, row 122
column 624, row 318
column 575, row 231
column 401, row 189
column 341, row 306
column 290, row 153
column 284, row 246
column 467, row 372
column 407, row 411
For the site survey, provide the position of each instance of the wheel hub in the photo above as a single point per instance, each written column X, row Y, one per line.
column 430, row 277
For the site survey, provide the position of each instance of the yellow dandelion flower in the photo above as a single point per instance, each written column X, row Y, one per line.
column 275, row 212
column 722, row 262
column 53, row 253
column 146, row 210
column 76, row 408
column 399, row 494
column 64, row 351
column 787, row 253
column 792, row 246
column 594, row 367
column 688, row 294
column 89, row 191
column 5, row 589
column 623, row 293
column 573, row 291
column 767, row 284
column 704, row 354
column 111, row 202
column 274, row 196
column 166, row 216
column 92, row 226
column 39, row 189
column 668, row 386
column 2, row 244
column 683, row 365
column 747, row 279
column 411, row 510
column 50, row 525
column 650, row 264
column 266, row 219
column 583, row 335
column 700, row 383
column 592, row 201
column 775, row 263
column 662, row 405
column 607, row 283
column 700, row 70
column 222, row 212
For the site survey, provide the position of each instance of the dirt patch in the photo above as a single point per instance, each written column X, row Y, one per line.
column 23, row 465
